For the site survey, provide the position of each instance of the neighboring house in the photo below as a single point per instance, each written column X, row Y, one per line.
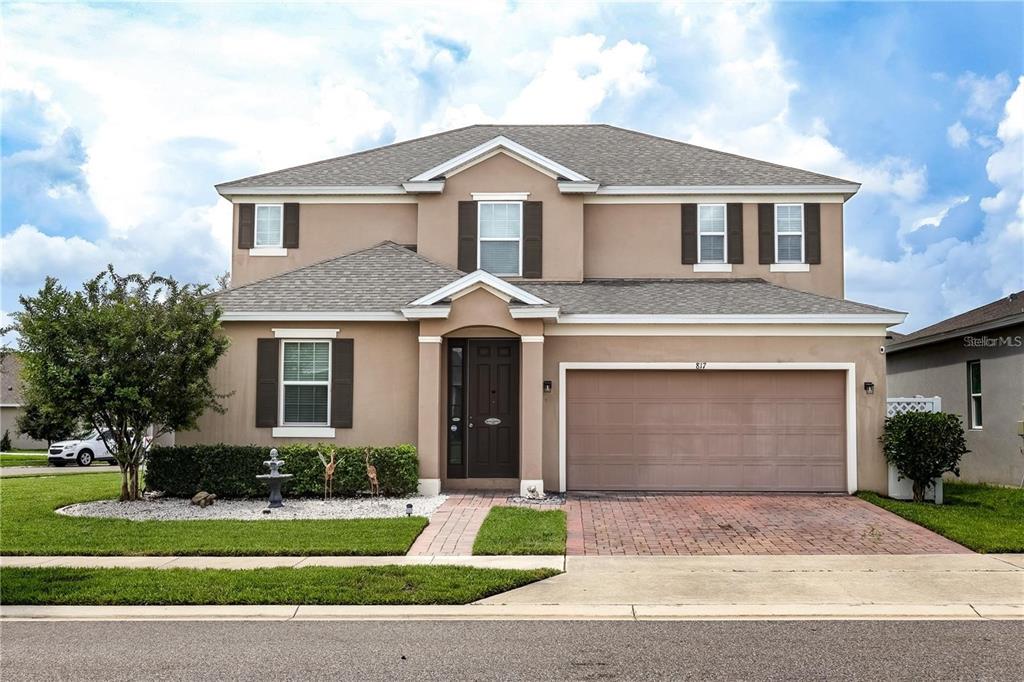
column 975, row 363
column 11, row 403
column 558, row 307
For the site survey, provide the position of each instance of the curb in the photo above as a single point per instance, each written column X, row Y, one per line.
column 524, row 562
column 622, row 612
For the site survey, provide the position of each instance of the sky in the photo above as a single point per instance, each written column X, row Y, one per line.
column 118, row 119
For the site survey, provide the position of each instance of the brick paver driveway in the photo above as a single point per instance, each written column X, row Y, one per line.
column 647, row 524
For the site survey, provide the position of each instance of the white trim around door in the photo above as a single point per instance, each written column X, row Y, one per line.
column 851, row 398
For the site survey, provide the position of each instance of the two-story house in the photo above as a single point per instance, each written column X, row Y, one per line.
column 562, row 307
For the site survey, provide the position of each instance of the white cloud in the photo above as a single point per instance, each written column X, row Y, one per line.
column 935, row 219
column 954, row 275
column 578, row 76
column 984, row 94
column 957, row 135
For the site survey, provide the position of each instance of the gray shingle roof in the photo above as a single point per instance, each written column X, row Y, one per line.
column 381, row 278
column 604, row 153
column 690, row 297
column 387, row 277
column 1009, row 309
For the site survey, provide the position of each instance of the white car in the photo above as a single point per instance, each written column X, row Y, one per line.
column 84, row 450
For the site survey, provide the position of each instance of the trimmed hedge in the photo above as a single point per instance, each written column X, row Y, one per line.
column 230, row 470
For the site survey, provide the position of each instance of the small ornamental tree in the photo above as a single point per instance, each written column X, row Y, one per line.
column 123, row 355
column 923, row 446
column 39, row 423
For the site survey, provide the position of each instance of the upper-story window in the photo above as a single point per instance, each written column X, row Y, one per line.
column 711, row 233
column 305, row 382
column 269, row 225
column 789, row 233
column 500, row 241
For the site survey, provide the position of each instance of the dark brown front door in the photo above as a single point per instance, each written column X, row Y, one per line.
column 492, row 408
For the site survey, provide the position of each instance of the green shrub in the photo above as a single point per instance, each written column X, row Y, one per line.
column 923, row 446
column 5, row 441
column 230, row 470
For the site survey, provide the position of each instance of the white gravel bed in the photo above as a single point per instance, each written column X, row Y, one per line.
column 178, row 509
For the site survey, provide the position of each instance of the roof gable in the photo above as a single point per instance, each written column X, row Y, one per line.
column 500, row 142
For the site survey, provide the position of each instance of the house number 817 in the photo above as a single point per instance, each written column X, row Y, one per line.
column 702, row 365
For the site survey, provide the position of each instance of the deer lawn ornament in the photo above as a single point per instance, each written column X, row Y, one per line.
column 328, row 475
column 371, row 473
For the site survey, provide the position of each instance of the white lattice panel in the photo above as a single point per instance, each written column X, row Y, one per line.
column 918, row 403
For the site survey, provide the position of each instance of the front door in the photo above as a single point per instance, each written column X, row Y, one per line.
column 492, row 408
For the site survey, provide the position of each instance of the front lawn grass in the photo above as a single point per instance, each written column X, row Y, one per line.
column 984, row 518
column 18, row 459
column 518, row 530
column 28, row 525
column 310, row 585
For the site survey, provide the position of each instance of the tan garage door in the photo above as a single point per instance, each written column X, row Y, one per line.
column 705, row 430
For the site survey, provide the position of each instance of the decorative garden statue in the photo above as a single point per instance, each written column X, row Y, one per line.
column 328, row 475
column 371, row 473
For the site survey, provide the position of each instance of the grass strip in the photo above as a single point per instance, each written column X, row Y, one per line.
column 28, row 525
column 520, row 530
column 984, row 518
column 22, row 460
column 310, row 585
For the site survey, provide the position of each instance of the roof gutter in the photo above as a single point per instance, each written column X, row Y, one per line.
column 854, row 318
column 851, row 188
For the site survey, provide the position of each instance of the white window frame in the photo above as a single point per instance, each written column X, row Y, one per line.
column 480, row 239
column 256, row 231
column 803, row 237
column 725, row 236
column 283, row 383
column 971, row 396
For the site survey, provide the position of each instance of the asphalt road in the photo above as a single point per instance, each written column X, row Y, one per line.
column 530, row 650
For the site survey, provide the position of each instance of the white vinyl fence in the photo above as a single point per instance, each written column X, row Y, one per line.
column 918, row 403
column 903, row 488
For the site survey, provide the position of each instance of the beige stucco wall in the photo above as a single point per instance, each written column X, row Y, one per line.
column 645, row 240
column 9, row 422
column 385, row 400
column 437, row 231
column 870, row 366
column 325, row 231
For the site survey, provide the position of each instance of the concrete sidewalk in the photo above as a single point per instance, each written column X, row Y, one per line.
column 963, row 586
column 16, row 472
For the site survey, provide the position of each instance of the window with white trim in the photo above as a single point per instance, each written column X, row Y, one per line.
column 789, row 233
column 500, row 237
column 711, row 233
column 974, row 393
column 305, row 383
column 269, row 225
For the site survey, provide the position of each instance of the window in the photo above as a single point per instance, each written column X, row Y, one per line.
column 500, row 230
column 789, row 233
column 269, row 225
column 305, row 380
column 711, row 233
column 974, row 393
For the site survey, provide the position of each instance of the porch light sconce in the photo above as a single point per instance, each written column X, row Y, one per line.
column 547, row 386
column 869, row 388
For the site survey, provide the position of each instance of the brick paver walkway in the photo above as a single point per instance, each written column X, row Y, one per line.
column 699, row 524
column 453, row 527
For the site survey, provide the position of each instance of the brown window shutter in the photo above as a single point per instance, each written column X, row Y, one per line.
column 246, row 226
column 290, row 238
column 266, row 381
column 766, row 233
column 812, row 233
column 342, row 366
column 689, row 234
column 734, row 223
column 467, row 236
column 533, row 239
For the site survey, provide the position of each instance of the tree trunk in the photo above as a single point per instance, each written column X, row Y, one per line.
column 124, row 482
column 133, row 481
column 919, row 489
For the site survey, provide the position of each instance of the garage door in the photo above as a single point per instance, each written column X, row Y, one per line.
column 705, row 430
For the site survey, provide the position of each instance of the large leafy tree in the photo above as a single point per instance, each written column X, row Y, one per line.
column 122, row 355
column 40, row 423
